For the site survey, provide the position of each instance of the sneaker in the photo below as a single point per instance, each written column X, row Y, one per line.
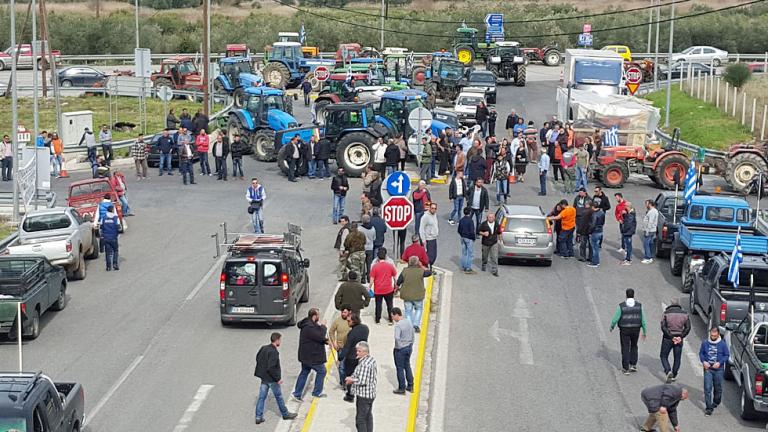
column 399, row 391
column 495, row 274
column 625, row 371
column 674, row 378
column 483, row 268
column 259, row 420
column 626, row 263
column 620, row 250
column 593, row 265
column 290, row 416
column 633, row 368
column 409, row 389
column 417, row 329
column 321, row 395
column 470, row 271
column 451, row 222
column 647, row 260
column 670, row 377
column 296, row 399
column 349, row 398
column 708, row 412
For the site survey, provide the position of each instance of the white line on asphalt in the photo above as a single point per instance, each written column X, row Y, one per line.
column 440, row 372
column 593, row 305
column 692, row 357
column 205, row 278
column 194, row 406
column 113, row 389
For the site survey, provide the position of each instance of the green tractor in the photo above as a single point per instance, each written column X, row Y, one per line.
column 467, row 48
column 445, row 79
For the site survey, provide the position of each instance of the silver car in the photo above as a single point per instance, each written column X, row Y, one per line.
column 527, row 234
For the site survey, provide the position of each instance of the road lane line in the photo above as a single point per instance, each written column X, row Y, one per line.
column 217, row 264
column 194, row 406
column 593, row 305
column 440, row 372
column 413, row 409
column 103, row 401
column 692, row 357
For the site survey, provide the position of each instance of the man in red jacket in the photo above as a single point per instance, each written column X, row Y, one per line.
column 417, row 250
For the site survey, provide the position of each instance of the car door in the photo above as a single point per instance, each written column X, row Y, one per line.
column 708, row 54
column 241, row 284
column 696, row 55
column 84, row 228
column 25, row 56
column 274, row 280
column 701, row 286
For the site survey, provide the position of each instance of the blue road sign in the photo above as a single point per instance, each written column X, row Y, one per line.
column 585, row 39
column 494, row 20
column 398, row 184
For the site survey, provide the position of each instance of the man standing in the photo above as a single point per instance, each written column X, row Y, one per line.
column 404, row 336
column 310, row 150
column 650, row 225
column 628, row 229
column 363, row 382
column 220, row 153
column 105, row 138
column 322, row 154
column 583, row 206
column 489, row 231
column 255, row 195
column 618, row 212
column 630, row 319
column 186, row 155
column 269, row 371
column 457, row 190
column 139, row 155
column 383, row 276
column 337, row 334
column 352, row 294
column 421, row 199
column 306, row 88
column 467, row 233
column 292, row 157
column 543, row 169
column 597, row 221
column 90, row 145
column 417, row 250
column 341, row 237
column 600, row 199
column 6, row 153
column 412, row 290
column 714, row 355
column 425, row 167
column 582, row 166
column 339, row 186
column 675, row 326
column 380, row 227
column 567, row 218
column 236, row 149
column 312, row 343
column 481, row 117
column 661, row 402
column 354, row 246
column 512, row 119
column 477, row 200
column 109, row 229
column 359, row 333
column 429, row 232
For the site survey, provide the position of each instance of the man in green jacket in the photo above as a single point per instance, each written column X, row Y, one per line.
column 412, row 290
column 425, row 169
column 630, row 319
column 352, row 293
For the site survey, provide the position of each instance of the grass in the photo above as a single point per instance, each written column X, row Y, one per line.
column 700, row 123
column 126, row 109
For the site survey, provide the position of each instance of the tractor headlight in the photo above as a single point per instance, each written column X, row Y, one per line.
column 495, row 60
column 519, row 59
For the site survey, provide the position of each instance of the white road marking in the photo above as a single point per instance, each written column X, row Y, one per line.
column 194, row 406
column 693, row 358
column 205, row 278
column 440, row 373
column 521, row 314
column 593, row 305
column 103, row 401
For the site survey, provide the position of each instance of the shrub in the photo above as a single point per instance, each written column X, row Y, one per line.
column 737, row 74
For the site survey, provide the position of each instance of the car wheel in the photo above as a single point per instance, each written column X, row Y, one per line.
column 94, row 253
column 728, row 375
column 66, row 83
column 80, row 273
column 61, row 302
column 746, row 405
column 34, row 326
column 294, row 314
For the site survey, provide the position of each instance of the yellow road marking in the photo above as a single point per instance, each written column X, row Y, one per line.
column 413, row 410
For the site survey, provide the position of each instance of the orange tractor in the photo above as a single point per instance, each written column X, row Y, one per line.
column 615, row 164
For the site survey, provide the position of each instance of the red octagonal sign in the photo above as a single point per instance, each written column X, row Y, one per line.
column 322, row 73
column 634, row 78
column 397, row 212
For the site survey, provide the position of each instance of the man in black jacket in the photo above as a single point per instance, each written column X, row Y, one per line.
column 359, row 333
column 477, row 200
column 490, row 230
column 457, row 191
column 661, row 402
column 322, row 154
column 392, row 156
column 237, row 147
column 293, row 156
column 481, row 117
column 381, row 230
column 268, row 369
column 675, row 326
column 220, row 152
column 339, row 186
column 312, row 342
column 583, row 206
column 597, row 221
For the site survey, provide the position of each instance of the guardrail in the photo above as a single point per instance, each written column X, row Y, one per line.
column 667, row 139
column 9, row 241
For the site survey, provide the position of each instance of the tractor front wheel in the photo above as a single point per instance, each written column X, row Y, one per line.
column 742, row 168
column 354, row 152
column 276, row 75
column 614, row 175
column 310, row 76
column 264, row 146
column 666, row 169
column 552, row 58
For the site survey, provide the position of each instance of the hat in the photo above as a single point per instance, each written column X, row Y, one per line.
column 581, row 189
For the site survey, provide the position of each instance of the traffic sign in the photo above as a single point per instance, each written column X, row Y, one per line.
column 585, row 39
column 165, row 93
column 23, row 135
column 397, row 212
column 420, row 119
column 586, row 28
column 634, row 78
column 322, row 73
column 494, row 20
column 398, row 184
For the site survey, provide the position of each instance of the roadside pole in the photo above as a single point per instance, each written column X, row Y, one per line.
column 18, row 336
column 669, row 58
column 206, row 56
column 656, row 53
column 136, row 7
column 381, row 46
column 650, row 28
column 15, row 115
column 35, row 102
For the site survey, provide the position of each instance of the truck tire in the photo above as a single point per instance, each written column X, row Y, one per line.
column 675, row 262
column 34, row 325
column 692, row 304
column 94, row 252
column 742, row 168
column 264, row 146
column 746, row 404
column 660, row 252
column 419, row 75
column 614, row 175
column 520, row 76
column 686, row 278
column 354, row 152
column 276, row 75
column 282, row 162
column 728, row 375
column 666, row 168
column 551, row 58
column 61, row 301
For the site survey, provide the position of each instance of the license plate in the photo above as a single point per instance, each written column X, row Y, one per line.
column 527, row 241
column 236, row 309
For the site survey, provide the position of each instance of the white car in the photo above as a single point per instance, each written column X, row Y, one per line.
column 702, row 54
column 466, row 104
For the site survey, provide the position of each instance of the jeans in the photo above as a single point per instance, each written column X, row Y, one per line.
column 543, row 182
column 111, row 252
column 648, row 239
column 364, row 415
column 594, row 241
column 165, row 161
column 585, row 249
column 491, row 256
column 108, row 154
column 501, row 190
column 301, row 381
column 264, row 389
column 237, row 166
column 565, row 243
column 627, row 241
column 417, row 222
column 7, row 165
column 467, row 250
column 581, row 178
column 338, row 207
column 478, row 218
column 257, row 219
column 205, row 168
column 185, row 169
column 291, row 168
column 221, row 167
column 56, row 162
column 124, row 204
column 311, row 168
column 458, row 204
column 91, row 154
column 413, row 311
column 677, row 351
column 431, row 246
column 628, row 338
column 713, row 386
column 342, row 373
column 306, row 99
column 388, row 299
column 403, row 367
column 322, row 168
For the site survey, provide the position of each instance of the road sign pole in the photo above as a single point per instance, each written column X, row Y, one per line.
column 15, row 110
column 669, row 62
column 421, row 150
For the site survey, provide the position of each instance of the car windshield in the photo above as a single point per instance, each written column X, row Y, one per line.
column 239, row 67
column 529, row 225
column 451, row 71
column 240, row 273
column 509, row 51
column 415, row 103
column 274, row 102
column 187, row 67
column 482, row 78
column 45, row 222
column 470, row 100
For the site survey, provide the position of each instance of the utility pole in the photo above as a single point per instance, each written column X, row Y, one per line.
column 669, row 75
column 15, row 115
column 650, row 26
column 656, row 52
column 35, row 101
column 206, row 55
column 43, row 44
column 382, row 25
column 137, row 24
column 52, row 63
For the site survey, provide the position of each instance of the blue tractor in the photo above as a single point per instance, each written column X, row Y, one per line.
column 264, row 112
column 235, row 75
column 286, row 66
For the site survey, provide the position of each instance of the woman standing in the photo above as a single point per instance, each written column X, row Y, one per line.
column 521, row 163
column 170, row 120
column 202, row 141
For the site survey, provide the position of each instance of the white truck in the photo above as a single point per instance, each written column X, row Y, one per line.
column 466, row 104
column 595, row 70
column 61, row 235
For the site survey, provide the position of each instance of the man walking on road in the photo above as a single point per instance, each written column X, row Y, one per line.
column 269, row 371
column 467, row 233
column 109, row 226
column 412, row 290
column 675, row 326
column 489, row 231
column 337, row 334
column 352, row 294
column 714, row 355
column 383, row 276
column 255, row 196
column 363, row 382
column 380, row 227
column 312, row 342
column 6, row 155
column 457, row 190
column 404, row 336
column 105, row 138
column 339, row 186
column 359, row 333
column 306, row 88
column 429, row 232
column 650, row 225
column 628, row 229
column 661, row 402
column 630, row 319
column 236, row 149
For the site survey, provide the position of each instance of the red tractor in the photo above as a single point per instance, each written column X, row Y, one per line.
column 614, row 165
column 178, row 73
column 550, row 55
column 347, row 52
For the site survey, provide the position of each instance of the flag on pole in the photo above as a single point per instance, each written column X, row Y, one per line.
column 302, row 34
column 349, row 73
column 736, row 260
column 611, row 138
column 691, row 182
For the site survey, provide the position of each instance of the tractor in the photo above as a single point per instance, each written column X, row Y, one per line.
column 346, row 53
column 445, row 80
column 333, row 92
column 420, row 73
column 396, row 106
column 550, row 55
column 286, row 66
column 507, row 62
column 467, row 48
column 378, row 72
column 178, row 73
column 264, row 112
column 398, row 62
column 662, row 166
column 235, row 75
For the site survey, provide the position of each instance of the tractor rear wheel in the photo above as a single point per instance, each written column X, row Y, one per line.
column 264, row 146
column 354, row 152
column 419, row 75
column 667, row 167
column 614, row 175
column 163, row 82
column 521, row 76
column 431, row 91
column 310, row 76
column 282, row 162
column 465, row 54
column 742, row 168
column 552, row 58
column 276, row 75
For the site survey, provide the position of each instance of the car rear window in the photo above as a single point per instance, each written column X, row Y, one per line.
column 240, row 273
column 759, row 278
column 271, row 275
column 532, row 225
column 719, row 214
column 46, row 222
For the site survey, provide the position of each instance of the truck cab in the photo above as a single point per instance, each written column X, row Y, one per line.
column 178, row 73
column 33, row 402
column 748, row 364
column 594, row 70
column 671, row 207
column 85, row 196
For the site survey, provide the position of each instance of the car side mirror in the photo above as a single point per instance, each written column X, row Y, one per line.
column 305, row 263
column 730, row 327
column 88, row 218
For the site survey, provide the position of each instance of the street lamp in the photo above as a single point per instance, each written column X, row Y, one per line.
column 669, row 63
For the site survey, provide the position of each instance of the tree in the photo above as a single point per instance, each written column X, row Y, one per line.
column 737, row 74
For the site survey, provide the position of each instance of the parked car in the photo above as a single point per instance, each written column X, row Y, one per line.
column 25, row 57
column 85, row 196
column 466, row 104
column 703, row 54
column 33, row 402
column 153, row 153
column 681, row 69
column 485, row 80
column 81, row 76
column 61, row 235
column 748, row 364
column 671, row 207
column 35, row 283
column 621, row 50
column 526, row 234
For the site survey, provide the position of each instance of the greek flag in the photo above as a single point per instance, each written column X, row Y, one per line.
column 313, row 111
column 691, row 182
column 302, row 35
column 736, row 259
column 349, row 73
column 611, row 138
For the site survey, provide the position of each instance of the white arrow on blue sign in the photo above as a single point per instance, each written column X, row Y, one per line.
column 494, row 20
column 398, row 184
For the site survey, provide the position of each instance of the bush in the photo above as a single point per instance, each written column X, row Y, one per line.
column 737, row 74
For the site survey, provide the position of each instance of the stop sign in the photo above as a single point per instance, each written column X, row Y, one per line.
column 322, row 74
column 397, row 212
column 634, row 78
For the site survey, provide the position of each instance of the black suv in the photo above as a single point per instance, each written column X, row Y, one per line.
column 264, row 278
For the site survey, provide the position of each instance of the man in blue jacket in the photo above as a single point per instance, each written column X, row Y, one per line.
column 109, row 227
column 714, row 355
column 468, row 236
column 166, row 145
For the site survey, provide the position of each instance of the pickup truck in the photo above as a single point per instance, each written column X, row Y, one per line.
column 85, row 196
column 708, row 227
column 33, row 402
column 671, row 207
column 25, row 57
column 61, row 235
column 748, row 365
column 717, row 301
column 35, row 283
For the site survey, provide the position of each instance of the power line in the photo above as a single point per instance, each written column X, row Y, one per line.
column 403, row 18
column 518, row 37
